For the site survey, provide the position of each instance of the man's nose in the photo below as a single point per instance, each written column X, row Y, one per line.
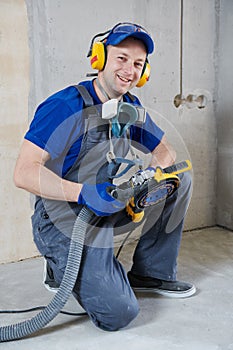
column 129, row 67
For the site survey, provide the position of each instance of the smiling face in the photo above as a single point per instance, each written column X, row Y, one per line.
column 123, row 68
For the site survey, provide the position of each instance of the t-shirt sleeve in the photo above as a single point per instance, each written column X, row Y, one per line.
column 146, row 136
column 54, row 127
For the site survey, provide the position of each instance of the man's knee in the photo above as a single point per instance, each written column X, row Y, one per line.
column 178, row 211
column 116, row 315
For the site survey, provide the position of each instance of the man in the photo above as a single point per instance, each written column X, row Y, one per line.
column 70, row 158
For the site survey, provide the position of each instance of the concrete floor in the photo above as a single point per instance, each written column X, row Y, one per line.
column 202, row 322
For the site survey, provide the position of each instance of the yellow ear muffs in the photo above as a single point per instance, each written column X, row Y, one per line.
column 145, row 75
column 98, row 55
column 98, row 60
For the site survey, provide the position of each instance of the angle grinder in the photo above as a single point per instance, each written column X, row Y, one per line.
column 149, row 187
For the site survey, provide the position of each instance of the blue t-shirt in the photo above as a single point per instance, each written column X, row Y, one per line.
column 58, row 127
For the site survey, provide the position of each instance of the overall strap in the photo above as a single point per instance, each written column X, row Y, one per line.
column 88, row 100
column 91, row 110
column 131, row 97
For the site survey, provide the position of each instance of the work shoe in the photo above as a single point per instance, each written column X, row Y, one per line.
column 49, row 280
column 166, row 288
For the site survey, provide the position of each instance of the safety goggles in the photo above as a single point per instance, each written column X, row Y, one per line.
column 126, row 27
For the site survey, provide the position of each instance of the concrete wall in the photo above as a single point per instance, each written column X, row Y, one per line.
column 192, row 130
column 225, row 116
column 15, row 233
column 55, row 37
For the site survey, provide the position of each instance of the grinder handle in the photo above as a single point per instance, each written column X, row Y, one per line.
column 179, row 168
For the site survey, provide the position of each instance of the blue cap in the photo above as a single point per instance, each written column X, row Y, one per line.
column 125, row 30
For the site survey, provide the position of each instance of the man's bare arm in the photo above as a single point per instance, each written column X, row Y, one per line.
column 31, row 175
column 163, row 155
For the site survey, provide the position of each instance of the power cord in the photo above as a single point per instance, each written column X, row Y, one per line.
column 122, row 244
column 21, row 311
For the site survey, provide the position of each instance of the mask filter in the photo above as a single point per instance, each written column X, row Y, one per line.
column 126, row 116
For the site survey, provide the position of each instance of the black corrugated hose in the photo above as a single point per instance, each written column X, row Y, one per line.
column 25, row 328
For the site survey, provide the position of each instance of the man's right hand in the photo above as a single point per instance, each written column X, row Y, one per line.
column 97, row 198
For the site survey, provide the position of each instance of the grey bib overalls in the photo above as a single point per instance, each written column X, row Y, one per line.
column 102, row 287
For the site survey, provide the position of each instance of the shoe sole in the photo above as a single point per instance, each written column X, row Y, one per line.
column 50, row 289
column 167, row 293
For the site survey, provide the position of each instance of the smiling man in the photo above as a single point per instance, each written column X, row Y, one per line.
column 123, row 68
column 71, row 155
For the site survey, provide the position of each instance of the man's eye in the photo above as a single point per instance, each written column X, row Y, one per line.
column 139, row 64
